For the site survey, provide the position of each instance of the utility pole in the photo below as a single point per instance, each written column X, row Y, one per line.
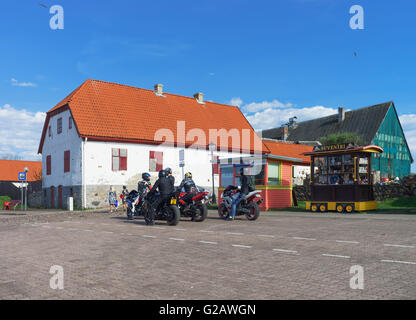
column 212, row 146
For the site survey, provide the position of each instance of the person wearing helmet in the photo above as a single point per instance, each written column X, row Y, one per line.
column 244, row 190
column 189, row 186
column 143, row 187
column 170, row 176
column 165, row 188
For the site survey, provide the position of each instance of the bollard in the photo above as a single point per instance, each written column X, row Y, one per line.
column 70, row 205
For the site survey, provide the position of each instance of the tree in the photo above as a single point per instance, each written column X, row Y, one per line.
column 346, row 137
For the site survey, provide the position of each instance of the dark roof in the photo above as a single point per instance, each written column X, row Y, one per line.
column 364, row 122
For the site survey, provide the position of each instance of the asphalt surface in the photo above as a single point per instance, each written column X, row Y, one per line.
column 282, row 255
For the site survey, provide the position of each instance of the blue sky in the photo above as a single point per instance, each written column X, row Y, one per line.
column 273, row 58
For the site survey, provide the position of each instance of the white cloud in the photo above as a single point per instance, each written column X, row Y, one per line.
column 275, row 117
column 20, row 132
column 236, row 101
column 16, row 83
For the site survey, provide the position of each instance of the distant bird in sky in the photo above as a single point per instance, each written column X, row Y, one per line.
column 42, row 5
column 355, row 54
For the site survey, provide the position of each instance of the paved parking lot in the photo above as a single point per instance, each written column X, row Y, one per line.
column 279, row 256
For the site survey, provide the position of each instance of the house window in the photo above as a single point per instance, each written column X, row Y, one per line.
column 59, row 126
column 119, row 159
column 227, row 173
column 48, row 165
column 50, row 131
column 70, row 123
column 155, row 161
column 67, row 161
column 273, row 174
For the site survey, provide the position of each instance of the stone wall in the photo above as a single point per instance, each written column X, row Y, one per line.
column 381, row 192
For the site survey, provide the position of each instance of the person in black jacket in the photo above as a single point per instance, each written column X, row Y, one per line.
column 170, row 176
column 239, row 195
column 190, row 187
column 165, row 188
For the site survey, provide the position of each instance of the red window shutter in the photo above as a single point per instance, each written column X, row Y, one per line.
column 216, row 165
column 67, row 161
column 59, row 126
column 48, row 165
column 159, row 160
column 123, row 159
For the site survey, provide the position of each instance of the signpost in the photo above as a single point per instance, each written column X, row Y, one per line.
column 182, row 160
column 22, row 178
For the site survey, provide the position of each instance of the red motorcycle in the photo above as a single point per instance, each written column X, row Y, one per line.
column 194, row 204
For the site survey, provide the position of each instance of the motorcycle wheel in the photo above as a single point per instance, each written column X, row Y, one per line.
column 147, row 216
column 176, row 215
column 254, row 211
column 223, row 211
column 202, row 213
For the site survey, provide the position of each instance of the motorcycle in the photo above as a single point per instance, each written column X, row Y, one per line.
column 196, row 208
column 134, row 204
column 167, row 210
column 249, row 206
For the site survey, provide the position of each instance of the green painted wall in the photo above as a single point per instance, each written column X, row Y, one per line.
column 396, row 159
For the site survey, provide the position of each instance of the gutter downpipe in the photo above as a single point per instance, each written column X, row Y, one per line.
column 84, row 185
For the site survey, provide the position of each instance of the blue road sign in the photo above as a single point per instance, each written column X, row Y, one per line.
column 22, row 176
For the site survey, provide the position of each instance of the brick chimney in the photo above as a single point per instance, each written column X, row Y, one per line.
column 159, row 89
column 285, row 132
column 199, row 96
column 341, row 114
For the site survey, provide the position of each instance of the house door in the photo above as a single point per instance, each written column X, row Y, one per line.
column 60, row 197
column 52, row 197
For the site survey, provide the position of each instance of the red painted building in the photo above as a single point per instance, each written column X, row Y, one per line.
column 271, row 172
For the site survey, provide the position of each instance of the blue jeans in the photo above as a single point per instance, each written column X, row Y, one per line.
column 236, row 201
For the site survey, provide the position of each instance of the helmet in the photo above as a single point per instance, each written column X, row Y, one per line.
column 168, row 170
column 188, row 175
column 162, row 173
column 146, row 176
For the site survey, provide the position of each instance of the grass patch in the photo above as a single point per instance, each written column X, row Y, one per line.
column 404, row 204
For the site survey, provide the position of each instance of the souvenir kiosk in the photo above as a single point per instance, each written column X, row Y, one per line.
column 341, row 178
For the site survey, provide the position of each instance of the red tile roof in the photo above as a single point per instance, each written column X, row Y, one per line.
column 9, row 169
column 290, row 150
column 109, row 111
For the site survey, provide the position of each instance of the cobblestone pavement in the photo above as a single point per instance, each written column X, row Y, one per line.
column 279, row 256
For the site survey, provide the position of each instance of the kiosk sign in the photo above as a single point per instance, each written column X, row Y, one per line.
column 335, row 147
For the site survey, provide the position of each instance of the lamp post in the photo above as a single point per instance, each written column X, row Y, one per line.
column 212, row 146
column 26, row 169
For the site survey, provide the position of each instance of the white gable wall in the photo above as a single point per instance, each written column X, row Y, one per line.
column 55, row 147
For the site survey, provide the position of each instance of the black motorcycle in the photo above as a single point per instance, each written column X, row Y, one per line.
column 167, row 210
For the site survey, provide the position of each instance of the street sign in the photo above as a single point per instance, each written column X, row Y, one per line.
column 181, row 158
column 22, row 176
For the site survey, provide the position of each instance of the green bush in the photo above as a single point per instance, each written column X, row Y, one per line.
column 346, row 137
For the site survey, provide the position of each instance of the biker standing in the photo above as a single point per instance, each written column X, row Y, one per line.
column 165, row 188
column 239, row 195
column 170, row 176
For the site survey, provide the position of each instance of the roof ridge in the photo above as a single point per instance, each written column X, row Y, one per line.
column 164, row 93
column 332, row 115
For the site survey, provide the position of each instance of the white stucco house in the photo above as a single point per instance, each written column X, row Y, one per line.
column 106, row 134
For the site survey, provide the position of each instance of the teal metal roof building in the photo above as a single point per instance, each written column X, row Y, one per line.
column 378, row 125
